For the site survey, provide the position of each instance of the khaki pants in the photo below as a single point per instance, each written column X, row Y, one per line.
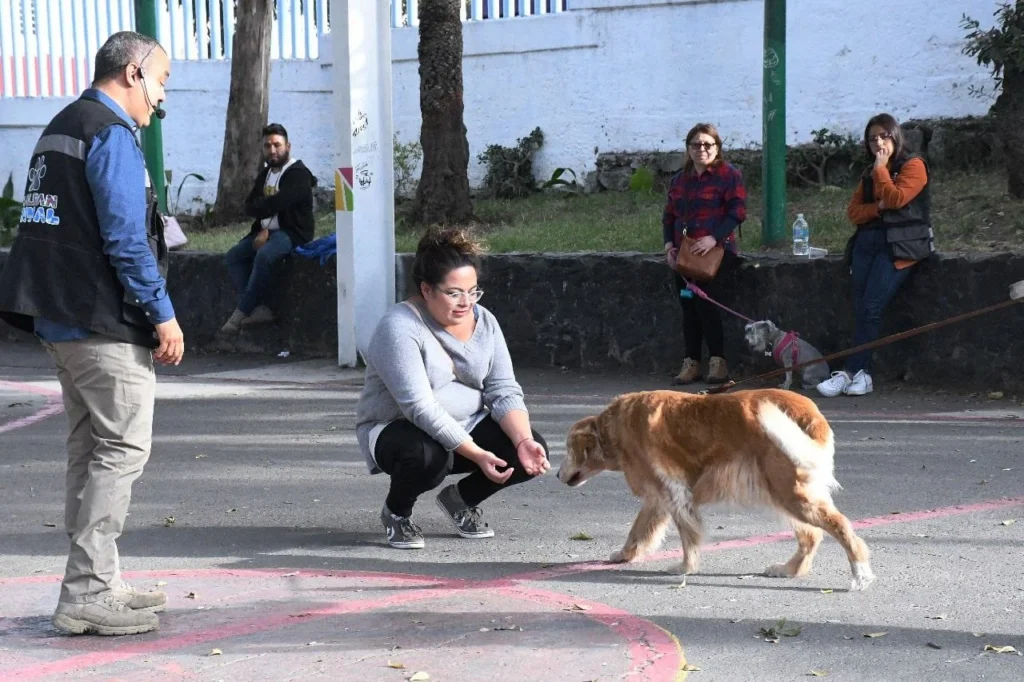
column 109, row 388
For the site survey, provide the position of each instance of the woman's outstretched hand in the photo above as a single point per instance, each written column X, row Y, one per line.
column 532, row 456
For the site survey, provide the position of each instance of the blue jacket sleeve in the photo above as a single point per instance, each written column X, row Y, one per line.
column 116, row 174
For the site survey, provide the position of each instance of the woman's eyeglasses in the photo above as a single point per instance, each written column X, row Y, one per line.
column 878, row 139
column 456, row 295
column 706, row 146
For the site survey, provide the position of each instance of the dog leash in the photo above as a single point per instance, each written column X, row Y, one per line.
column 865, row 346
column 700, row 292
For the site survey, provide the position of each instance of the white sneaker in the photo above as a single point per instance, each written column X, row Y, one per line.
column 860, row 385
column 832, row 387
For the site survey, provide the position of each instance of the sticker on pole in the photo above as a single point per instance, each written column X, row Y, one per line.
column 344, row 199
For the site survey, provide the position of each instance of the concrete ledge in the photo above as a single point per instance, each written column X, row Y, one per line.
column 606, row 311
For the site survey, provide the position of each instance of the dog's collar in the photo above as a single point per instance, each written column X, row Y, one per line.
column 788, row 341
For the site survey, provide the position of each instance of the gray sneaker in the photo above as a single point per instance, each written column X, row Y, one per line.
column 402, row 532
column 465, row 519
column 108, row 616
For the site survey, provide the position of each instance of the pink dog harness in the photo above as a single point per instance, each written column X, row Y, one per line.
column 788, row 341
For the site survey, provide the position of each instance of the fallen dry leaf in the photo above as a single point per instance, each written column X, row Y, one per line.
column 933, row 645
column 577, row 607
column 508, row 628
column 1000, row 649
column 819, row 673
column 690, row 668
column 419, row 677
column 161, row 583
column 1008, row 522
column 941, row 616
column 216, row 652
column 826, row 591
column 200, row 456
column 995, row 395
column 168, row 521
column 978, row 634
column 581, row 536
column 396, row 665
column 875, row 635
column 50, row 525
column 191, row 595
column 289, row 575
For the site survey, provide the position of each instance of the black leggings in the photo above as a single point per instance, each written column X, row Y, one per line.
column 702, row 321
column 418, row 463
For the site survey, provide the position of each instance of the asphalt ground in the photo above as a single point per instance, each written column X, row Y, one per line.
column 277, row 567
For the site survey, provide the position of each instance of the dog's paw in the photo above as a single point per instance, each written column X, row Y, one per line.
column 678, row 569
column 622, row 557
column 862, row 577
column 683, row 568
column 778, row 571
column 785, row 385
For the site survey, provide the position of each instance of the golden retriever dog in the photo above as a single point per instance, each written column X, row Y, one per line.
column 680, row 451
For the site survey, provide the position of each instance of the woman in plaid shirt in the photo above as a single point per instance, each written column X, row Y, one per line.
column 707, row 199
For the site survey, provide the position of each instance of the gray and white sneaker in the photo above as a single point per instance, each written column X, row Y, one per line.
column 402, row 532
column 465, row 519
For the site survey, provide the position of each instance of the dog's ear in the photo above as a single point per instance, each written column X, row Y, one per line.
column 582, row 441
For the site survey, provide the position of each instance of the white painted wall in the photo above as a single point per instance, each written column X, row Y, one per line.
column 610, row 75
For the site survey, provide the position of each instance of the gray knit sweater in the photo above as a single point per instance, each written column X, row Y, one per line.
column 409, row 376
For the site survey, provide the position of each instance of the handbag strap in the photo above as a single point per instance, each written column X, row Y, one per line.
column 416, row 311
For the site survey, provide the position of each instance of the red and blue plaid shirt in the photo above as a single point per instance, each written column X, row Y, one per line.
column 712, row 203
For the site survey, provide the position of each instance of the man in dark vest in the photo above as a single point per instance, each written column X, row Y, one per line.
column 86, row 276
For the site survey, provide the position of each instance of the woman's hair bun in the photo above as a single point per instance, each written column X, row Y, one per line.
column 449, row 238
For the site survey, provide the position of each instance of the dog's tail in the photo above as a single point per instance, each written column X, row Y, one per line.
column 807, row 440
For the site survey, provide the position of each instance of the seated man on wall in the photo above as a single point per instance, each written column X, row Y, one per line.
column 281, row 202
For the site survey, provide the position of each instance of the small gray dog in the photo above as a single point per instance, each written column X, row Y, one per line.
column 787, row 349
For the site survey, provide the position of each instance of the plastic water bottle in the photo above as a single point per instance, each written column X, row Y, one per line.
column 801, row 236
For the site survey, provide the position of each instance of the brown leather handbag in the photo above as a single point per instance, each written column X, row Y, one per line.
column 696, row 267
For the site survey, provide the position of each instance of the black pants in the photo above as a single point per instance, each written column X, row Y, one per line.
column 702, row 321
column 418, row 463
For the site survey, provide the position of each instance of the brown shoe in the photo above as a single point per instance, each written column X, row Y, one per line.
column 689, row 373
column 718, row 372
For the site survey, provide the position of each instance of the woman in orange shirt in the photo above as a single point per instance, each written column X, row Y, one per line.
column 891, row 209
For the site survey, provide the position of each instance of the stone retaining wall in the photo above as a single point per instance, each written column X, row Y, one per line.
column 603, row 311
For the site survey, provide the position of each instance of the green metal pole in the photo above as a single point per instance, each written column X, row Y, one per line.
column 152, row 135
column 773, row 170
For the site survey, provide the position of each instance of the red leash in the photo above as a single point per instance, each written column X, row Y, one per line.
column 700, row 292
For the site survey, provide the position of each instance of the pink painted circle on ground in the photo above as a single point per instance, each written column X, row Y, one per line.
column 342, row 626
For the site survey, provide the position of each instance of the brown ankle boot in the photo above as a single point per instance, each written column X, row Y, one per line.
column 718, row 373
column 689, row 373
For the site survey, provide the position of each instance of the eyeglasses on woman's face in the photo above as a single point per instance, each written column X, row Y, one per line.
column 706, row 146
column 456, row 296
column 879, row 139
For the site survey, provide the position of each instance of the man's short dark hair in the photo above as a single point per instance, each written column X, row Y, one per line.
column 120, row 50
column 275, row 129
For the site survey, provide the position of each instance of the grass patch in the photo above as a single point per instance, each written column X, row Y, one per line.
column 969, row 212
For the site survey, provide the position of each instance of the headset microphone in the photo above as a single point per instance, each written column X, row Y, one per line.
column 157, row 111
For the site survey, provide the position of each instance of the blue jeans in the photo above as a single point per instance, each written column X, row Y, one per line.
column 875, row 281
column 249, row 269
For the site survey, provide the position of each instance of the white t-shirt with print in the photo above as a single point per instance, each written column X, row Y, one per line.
column 270, row 189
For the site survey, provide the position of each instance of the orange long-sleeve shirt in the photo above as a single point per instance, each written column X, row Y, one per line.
column 893, row 194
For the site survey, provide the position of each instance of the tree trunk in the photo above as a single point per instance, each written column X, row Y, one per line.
column 443, row 192
column 248, row 103
column 1009, row 116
